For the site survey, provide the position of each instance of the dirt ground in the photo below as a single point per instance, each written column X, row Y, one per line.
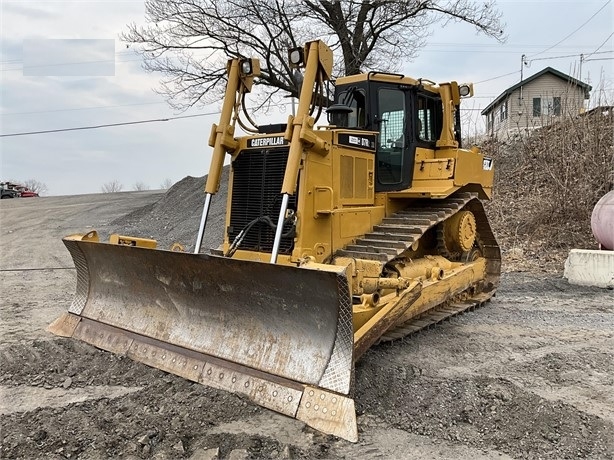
column 531, row 375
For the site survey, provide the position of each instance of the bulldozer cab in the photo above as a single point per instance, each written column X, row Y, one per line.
column 407, row 115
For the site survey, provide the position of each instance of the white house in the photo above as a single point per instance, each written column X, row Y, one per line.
column 534, row 102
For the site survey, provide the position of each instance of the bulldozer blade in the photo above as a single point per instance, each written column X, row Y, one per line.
column 281, row 336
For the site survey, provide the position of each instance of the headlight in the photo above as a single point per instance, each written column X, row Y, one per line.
column 465, row 90
column 295, row 56
column 246, row 67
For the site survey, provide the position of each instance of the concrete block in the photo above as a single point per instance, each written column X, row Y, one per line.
column 590, row 268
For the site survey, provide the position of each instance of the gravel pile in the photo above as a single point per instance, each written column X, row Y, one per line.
column 176, row 216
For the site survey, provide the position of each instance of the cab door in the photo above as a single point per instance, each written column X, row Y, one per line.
column 396, row 144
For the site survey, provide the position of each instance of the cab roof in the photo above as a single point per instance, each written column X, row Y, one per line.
column 383, row 77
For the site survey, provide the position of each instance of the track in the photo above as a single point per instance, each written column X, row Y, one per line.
column 398, row 233
column 436, row 315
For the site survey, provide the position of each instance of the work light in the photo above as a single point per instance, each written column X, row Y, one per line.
column 246, row 67
column 465, row 90
column 296, row 56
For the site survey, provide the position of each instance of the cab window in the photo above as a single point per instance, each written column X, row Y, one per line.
column 354, row 99
column 428, row 121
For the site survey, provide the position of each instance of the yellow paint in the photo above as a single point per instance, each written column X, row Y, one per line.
column 434, row 292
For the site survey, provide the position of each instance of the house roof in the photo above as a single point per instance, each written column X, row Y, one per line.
column 550, row 70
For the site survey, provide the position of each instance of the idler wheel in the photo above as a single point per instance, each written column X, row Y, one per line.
column 459, row 232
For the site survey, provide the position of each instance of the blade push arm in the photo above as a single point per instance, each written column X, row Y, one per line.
column 241, row 73
column 318, row 67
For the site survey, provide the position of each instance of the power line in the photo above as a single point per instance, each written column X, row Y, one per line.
column 11, row 61
column 95, row 107
column 500, row 76
column 583, row 24
column 58, row 64
column 599, row 47
column 555, row 57
column 109, row 125
column 127, row 123
column 494, row 51
column 569, row 55
column 424, row 50
column 523, row 46
column 80, row 108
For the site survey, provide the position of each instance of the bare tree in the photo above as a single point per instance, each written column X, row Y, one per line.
column 166, row 184
column 112, row 187
column 36, row 186
column 189, row 41
column 140, row 186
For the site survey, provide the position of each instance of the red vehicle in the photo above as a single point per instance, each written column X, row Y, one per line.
column 25, row 192
column 20, row 190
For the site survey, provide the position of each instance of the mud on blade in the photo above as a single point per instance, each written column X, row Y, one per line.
column 282, row 336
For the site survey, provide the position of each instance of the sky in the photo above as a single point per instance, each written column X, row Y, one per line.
column 96, row 81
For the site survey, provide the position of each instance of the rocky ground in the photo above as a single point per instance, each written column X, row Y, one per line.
column 531, row 375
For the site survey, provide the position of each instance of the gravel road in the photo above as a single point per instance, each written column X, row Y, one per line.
column 531, row 375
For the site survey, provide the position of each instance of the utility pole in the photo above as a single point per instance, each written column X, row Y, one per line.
column 520, row 101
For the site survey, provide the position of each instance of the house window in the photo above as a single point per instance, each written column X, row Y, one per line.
column 537, row 106
column 556, row 106
column 503, row 111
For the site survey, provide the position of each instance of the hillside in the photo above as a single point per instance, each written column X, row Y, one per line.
column 546, row 185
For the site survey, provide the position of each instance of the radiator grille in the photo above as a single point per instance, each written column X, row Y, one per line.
column 256, row 192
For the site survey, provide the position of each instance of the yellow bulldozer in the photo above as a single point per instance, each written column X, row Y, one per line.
column 337, row 237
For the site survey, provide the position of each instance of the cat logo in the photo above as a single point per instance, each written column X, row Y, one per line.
column 266, row 141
